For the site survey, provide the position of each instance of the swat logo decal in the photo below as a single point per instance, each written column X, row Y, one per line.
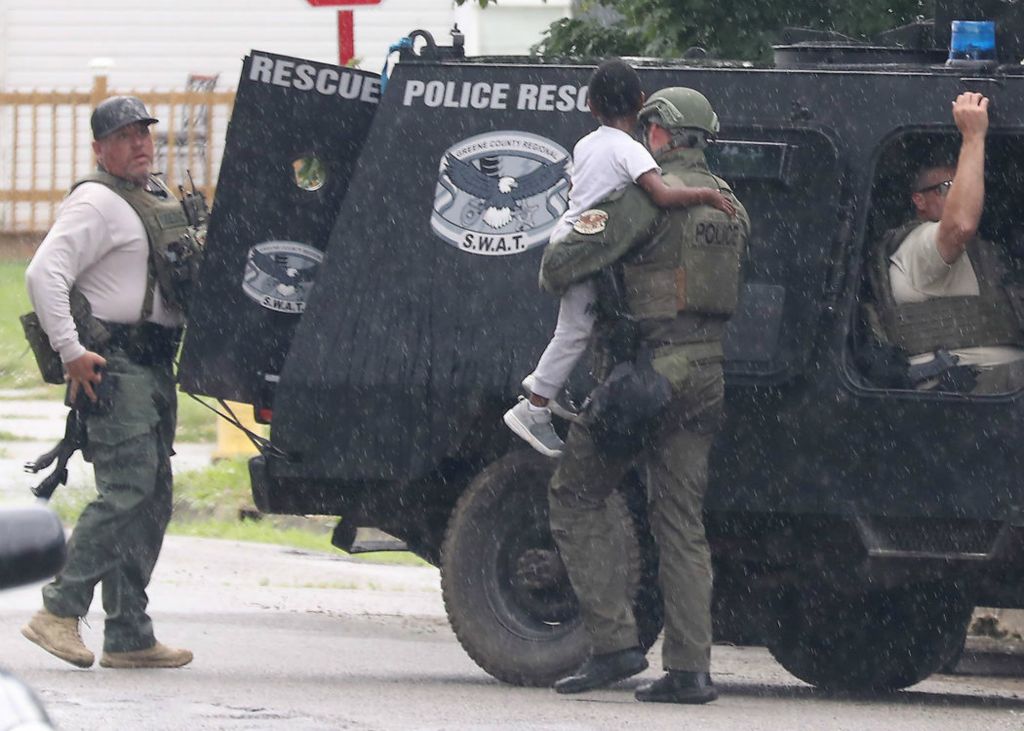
column 500, row 193
column 280, row 274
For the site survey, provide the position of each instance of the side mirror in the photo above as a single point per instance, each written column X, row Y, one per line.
column 32, row 546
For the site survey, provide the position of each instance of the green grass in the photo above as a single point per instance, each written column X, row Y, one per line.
column 206, row 504
column 17, row 366
column 223, row 483
column 196, row 423
column 258, row 531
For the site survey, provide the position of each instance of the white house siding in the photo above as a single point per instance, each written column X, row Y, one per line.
column 51, row 45
column 509, row 27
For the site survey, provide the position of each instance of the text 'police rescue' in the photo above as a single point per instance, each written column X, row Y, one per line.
column 486, row 95
column 329, row 80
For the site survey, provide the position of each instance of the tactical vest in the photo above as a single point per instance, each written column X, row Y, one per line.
column 682, row 286
column 947, row 322
column 175, row 250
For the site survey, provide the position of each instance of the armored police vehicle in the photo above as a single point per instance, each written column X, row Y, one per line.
column 380, row 316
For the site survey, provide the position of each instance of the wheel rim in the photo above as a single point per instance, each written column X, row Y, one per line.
column 530, row 591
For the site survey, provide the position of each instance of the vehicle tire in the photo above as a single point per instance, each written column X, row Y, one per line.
column 957, row 646
column 872, row 640
column 504, row 586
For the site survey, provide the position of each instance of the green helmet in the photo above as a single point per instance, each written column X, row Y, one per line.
column 678, row 107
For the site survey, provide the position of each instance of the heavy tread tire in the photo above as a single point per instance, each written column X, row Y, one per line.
column 502, row 514
column 873, row 640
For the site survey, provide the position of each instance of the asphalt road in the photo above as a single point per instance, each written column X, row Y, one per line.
column 289, row 640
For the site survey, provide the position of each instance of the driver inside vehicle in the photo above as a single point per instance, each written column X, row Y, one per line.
column 943, row 296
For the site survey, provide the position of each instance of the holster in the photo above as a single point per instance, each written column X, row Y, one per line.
column 622, row 410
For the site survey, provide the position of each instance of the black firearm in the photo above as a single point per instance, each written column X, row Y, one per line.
column 74, row 439
column 621, row 335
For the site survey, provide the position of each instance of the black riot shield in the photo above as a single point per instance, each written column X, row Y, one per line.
column 296, row 132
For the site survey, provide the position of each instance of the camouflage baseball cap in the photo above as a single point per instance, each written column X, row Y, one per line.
column 116, row 112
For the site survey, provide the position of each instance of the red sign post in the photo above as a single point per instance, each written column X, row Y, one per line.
column 346, row 25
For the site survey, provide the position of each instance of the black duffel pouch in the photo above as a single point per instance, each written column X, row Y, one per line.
column 91, row 333
column 622, row 410
column 50, row 366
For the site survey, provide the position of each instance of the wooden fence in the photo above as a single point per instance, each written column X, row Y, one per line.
column 46, row 144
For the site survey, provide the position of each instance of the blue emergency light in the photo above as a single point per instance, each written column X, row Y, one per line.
column 973, row 40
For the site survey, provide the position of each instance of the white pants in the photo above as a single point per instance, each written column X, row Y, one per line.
column 572, row 334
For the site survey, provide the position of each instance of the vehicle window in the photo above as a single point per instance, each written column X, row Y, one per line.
column 788, row 180
column 749, row 160
column 960, row 342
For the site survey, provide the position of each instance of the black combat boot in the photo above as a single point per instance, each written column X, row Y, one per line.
column 602, row 670
column 678, row 686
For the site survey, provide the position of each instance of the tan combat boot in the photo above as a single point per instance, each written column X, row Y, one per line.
column 157, row 656
column 59, row 636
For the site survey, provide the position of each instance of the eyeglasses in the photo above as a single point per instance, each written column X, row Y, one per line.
column 942, row 188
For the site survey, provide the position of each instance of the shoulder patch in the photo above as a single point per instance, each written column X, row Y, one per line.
column 592, row 221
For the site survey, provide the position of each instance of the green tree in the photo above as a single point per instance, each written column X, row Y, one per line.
column 739, row 29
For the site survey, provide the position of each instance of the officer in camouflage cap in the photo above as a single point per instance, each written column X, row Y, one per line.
column 116, row 112
column 105, row 249
column 660, row 403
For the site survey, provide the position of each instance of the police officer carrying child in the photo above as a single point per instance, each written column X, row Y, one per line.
column 677, row 273
column 119, row 240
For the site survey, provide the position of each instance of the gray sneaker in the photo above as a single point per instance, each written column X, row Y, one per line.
column 534, row 427
column 558, row 409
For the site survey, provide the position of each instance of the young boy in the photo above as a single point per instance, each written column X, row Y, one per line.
column 604, row 161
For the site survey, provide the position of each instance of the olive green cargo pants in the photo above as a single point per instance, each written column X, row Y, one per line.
column 118, row 537
column 675, row 461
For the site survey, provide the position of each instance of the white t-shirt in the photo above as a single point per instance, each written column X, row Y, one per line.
column 99, row 244
column 603, row 162
column 917, row 272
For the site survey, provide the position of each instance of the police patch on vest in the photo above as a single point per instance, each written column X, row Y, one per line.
column 593, row 221
column 171, row 219
column 714, row 232
column 279, row 274
column 500, row 193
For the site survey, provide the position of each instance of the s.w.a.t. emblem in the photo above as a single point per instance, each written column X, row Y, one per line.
column 500, row 193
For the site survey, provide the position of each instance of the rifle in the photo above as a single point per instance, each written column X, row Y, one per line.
column 621, row 335
column 73, row 440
